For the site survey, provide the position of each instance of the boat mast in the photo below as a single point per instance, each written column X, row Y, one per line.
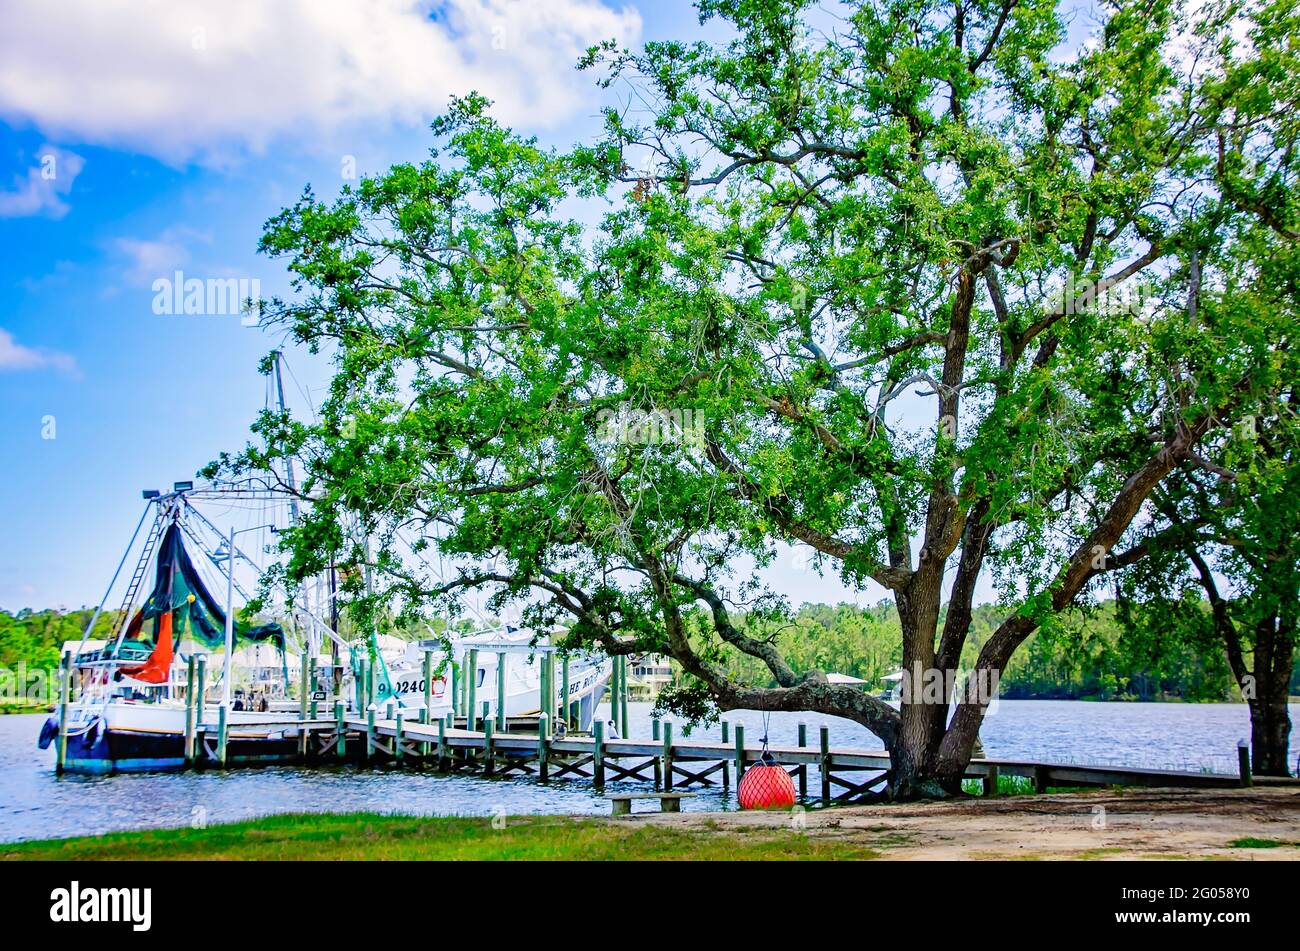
column 309, row 638
column 230, row 620
column 336, row 666
column 289, row 478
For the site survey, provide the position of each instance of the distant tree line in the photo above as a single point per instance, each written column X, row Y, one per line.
column 34, row 637
column 1111, row 651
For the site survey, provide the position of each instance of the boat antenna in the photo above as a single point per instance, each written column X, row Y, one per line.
column 289, row 477
column 310, row 641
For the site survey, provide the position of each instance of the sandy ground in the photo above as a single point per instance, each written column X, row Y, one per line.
column 1129, row 824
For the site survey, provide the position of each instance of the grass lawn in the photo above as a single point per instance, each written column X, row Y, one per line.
column 1251, row 843
column 334, row 837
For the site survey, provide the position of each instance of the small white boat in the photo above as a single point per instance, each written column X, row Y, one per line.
column 511, row 652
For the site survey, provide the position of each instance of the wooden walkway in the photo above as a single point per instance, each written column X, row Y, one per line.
column 841, row 774
column 530, row 746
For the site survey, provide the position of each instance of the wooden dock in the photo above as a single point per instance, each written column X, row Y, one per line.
column 841, row 774
column 472, row 741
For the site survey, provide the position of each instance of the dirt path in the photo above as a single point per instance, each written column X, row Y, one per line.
column 1132, row 824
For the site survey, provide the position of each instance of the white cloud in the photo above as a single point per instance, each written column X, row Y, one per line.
column 41, row 189
column 62, row 272
column 197, row 80
column 14, row 356
column 143, row 260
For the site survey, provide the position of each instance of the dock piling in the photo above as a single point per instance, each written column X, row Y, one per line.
column 1243, row 764
column 598, row 753
column 199, row 712
column 65, row 685
column 455, row 687
column 471, row 683
column 740, row 753
column 564, row 692
column 656, row 736
column 302, row 704
column 803, row 769
column 190, row 682
column 426, row 714
column 198, row 706
column 668, row 757
column 824, row 762
column 1040, row 779
column 222, row 737
column 726, row 766
column 989, row 781
column 622, row 690
column 501, row 691
column 340, row 730
column 543, row 748
column 548, row 684
column 314, row 709
column 613, row 696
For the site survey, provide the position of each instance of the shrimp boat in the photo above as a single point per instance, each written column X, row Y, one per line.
column 133, row 696
column 131, row 690
column 131, row 705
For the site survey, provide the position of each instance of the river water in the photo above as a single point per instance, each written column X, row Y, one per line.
column 34, row 803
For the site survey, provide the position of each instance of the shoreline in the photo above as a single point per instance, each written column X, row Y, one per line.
column 1174, row 701
column 1142, row 824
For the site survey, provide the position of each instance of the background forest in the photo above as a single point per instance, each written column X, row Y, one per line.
column 1111, row 651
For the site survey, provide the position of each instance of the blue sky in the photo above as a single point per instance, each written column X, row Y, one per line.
column 141, row 138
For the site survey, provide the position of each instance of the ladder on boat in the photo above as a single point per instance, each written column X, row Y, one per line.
column 137, row 578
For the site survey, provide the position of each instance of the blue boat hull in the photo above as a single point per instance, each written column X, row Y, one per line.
column 99, row 751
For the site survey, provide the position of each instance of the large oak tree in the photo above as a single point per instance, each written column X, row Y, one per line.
column 888, row 256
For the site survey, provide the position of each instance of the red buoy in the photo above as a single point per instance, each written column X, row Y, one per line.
column 766, row 786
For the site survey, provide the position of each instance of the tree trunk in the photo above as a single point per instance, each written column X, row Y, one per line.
column 1270, row 720
column 1270, row 737
column 924, row 709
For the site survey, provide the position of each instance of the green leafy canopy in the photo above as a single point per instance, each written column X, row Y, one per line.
column 918, row 286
